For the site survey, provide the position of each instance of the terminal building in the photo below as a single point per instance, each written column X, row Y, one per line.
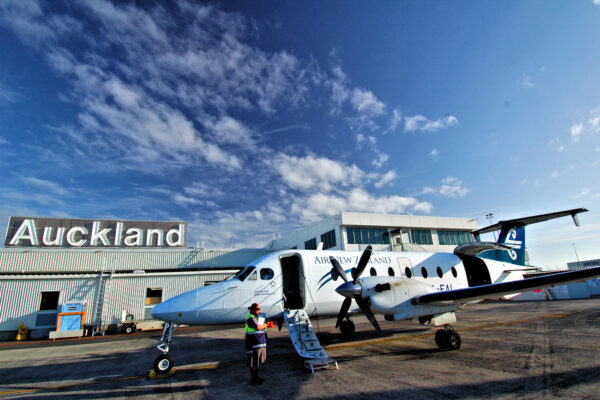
column 384, row 232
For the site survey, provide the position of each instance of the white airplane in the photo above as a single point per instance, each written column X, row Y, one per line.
column 400, row 285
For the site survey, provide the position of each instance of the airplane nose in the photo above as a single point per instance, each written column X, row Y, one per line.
column 161, row 311
column 349, row 289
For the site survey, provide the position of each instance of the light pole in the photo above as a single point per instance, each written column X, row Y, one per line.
column 576, row 255
column 490, row 217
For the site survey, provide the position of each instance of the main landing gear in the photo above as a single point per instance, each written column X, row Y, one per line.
column 447, row 338
column 163, row 363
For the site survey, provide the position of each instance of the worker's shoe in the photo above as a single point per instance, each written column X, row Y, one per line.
column 256, row 381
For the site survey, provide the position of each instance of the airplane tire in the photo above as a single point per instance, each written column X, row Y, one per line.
column 162, row 364
column 440, row 339
column 347, row 328
column 453, row 341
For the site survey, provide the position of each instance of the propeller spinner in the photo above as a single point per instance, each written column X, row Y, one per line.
column 352, row 289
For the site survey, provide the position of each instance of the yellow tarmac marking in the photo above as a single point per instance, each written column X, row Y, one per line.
column 330, row 347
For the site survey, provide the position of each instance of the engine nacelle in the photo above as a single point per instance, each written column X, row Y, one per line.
column 392, row 296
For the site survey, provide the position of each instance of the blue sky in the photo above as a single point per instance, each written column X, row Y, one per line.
column 249, row 119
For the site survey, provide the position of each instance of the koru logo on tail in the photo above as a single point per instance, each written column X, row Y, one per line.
column 511, row 240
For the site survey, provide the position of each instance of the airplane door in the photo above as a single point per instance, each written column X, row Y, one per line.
column 294, row 284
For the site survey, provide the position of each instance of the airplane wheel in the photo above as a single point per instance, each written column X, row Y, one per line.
column 347, row 327
column 453, row 341
column 440, row 339
column 162, row 364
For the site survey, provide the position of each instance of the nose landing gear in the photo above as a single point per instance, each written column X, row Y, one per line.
column 163, row 363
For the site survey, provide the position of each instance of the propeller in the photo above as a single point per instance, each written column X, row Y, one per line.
column 352, row 289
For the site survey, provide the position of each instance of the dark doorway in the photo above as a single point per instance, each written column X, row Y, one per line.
column 293, row 281
column 477, row 271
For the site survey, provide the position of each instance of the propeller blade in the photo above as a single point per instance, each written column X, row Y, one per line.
column 343, row 311
column 364, row 306
column 362, row 263
column 337, row 270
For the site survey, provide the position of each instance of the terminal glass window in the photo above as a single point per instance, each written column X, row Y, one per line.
column 421, row 236
column 311, row 244
column 49, row 301
column 153, row 296
column 328, row 239
column 368, row 236
column 453, row 237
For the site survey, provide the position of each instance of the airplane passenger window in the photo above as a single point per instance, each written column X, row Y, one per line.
column 439, row 272
column 454, row 273
column 424, row 272
column 252, row 277
column 408, row 272
column 243, row 274
column 391, row 272
column 266, row 274
column 373, row 272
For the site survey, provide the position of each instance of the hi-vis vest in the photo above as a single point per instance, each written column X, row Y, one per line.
column 254, row 338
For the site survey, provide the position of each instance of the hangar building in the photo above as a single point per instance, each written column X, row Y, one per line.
column 53, row 262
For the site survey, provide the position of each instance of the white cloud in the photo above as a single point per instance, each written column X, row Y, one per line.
column 202, row 190
column 318, row 205
column 420, row 123
column 597, row 2
column 386, row 178
column 434, row 153
column 231, row 131
column 394, row 121
column 527, row 81
column 591, row 126
column 147, row 90
column 450, row 187
column 360, row 139
column 576, row 131
column 381, row 159
column 251, row 228
column 46, row 185
column 312, row 172
column 367, row 105
column 339, row 90
column 186, row 200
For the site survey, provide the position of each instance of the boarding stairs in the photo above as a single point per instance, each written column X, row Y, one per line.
column 98, row 327
column 305, row 341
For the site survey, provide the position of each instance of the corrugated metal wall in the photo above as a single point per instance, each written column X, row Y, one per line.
column 20, row 294
column 20, row 298
column 25, row 260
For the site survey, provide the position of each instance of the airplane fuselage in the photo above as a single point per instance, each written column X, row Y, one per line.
column 301, row 279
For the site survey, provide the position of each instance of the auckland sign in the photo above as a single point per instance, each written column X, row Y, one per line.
column 58, row 232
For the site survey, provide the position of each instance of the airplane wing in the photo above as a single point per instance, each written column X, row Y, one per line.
column 504, row 288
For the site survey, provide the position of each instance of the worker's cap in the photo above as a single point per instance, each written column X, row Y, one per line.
column 254, row 306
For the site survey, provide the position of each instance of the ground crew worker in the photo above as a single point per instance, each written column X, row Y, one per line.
column 256, row 342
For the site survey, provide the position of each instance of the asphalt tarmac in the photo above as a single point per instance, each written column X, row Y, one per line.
column 525, row 350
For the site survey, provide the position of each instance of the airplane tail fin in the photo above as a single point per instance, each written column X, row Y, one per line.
column 512, row 233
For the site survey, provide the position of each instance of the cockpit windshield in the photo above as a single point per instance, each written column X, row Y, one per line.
column 243, row 274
